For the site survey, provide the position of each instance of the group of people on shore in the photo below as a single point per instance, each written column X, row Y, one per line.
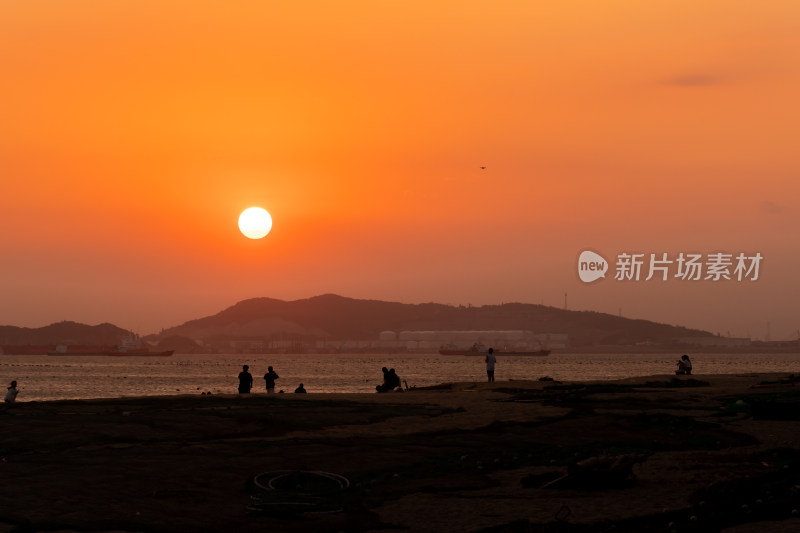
column 246, row 381
column 391, row 381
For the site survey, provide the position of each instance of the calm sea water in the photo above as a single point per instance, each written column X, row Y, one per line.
column 57, row 378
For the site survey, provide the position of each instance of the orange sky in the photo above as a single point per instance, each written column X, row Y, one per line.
column 133, row 133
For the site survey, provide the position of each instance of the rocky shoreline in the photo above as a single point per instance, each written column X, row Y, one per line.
column 695, row 453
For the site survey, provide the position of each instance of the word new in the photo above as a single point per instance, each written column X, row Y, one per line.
column 591, row 266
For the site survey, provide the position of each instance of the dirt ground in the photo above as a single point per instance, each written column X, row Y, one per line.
column 695, row 453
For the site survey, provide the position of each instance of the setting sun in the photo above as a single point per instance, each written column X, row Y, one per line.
column 255, row 223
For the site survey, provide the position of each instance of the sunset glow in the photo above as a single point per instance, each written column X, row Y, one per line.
column 255, row 223
column 137, row 130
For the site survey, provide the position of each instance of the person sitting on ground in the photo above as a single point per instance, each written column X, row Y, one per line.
column 394, row 380
column 300, row 389
column 11, row 395
column 391, row 381
column 684, row 365
column 383, row 386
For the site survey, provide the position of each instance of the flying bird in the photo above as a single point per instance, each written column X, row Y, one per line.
column 483, row 168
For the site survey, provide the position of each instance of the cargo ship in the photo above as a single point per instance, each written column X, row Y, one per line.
column 141, row 352
column 480, row 349
column 131, row 345
column 70, row 350
column 451, row 349
column 525, row 353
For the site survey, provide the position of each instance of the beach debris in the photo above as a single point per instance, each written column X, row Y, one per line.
column 791, row 379
column 603, row 471
column 676, row 383
column 562, row 515
column 292, row 492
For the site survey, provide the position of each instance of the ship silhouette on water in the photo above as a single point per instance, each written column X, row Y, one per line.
column 480, row 349
column 131, row 346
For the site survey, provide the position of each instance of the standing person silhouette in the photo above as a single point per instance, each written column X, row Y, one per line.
column 490, row 362
column 270, row 378
column 245, row 380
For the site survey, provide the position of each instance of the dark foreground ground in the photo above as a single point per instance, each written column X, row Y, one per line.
column 700, row 453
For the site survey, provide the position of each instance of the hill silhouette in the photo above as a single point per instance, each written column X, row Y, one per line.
column 17, row 340
column 65, row 332
column 334, row 317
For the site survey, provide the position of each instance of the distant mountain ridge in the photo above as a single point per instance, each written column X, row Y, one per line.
column 336, row 317
column 62, row 332
column 331, row 317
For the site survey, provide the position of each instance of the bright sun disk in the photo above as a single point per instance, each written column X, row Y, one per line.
column 255, row 223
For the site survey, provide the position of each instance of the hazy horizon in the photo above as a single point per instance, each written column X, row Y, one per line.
column 533, row 326
column 135, row 133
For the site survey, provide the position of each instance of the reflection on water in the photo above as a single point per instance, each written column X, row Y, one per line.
column 52, row 378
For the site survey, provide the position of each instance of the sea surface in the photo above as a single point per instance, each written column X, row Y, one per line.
column 82, row 377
